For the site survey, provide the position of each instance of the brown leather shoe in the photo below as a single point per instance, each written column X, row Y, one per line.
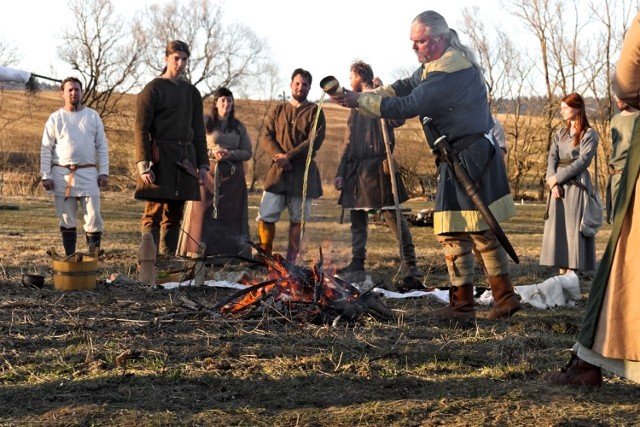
column 461, row 304
column 577, row 373
column 505, row 301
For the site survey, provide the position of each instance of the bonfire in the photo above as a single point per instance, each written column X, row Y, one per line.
column 301, row 293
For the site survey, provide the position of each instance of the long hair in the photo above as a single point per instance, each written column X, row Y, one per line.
column 574, row 100
column 213, row 119
column 438, row 27
column 175, row 46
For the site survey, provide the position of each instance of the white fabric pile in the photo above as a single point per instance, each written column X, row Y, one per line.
column 557, row 291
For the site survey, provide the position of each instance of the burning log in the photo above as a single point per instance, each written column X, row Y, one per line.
column 304, row 293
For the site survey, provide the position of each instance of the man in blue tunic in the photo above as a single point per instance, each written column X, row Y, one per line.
column 449, row 89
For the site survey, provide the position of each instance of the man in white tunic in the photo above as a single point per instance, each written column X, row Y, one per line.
column 74, row 165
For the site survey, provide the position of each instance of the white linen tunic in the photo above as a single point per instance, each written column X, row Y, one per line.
column 74, row 138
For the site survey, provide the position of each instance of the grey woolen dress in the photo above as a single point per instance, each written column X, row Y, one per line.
column 563, row 245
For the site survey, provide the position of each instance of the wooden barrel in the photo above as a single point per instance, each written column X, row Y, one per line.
column 75, row 274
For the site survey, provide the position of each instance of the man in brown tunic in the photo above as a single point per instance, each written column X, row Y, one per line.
column 286, row 139
column 170, row 145
column 366, row 185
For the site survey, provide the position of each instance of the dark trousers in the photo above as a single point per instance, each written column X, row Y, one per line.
column 359, row 234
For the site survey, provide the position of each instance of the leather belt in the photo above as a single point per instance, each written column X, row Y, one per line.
column 72, row 169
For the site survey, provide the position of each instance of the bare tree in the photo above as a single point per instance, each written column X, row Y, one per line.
column 270, row 83
column 488, row 56
column 99, row 48
column 543, row 19
column 232, row 56
column 508, row 76
column 610, row 19
column 8, row 53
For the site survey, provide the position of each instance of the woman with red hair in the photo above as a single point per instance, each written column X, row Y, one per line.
column 564, row 244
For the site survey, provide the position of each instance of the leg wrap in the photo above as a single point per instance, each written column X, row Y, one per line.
column 494, row 257
column 69, row 238
column 169, row 241
column 408, row 249
column 266, row 234
column 155, row 232
column 93, row 240
column 459, row 257
column 293, row 248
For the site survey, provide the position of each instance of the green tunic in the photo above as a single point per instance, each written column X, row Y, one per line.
column 621, row 133
column 600, row 280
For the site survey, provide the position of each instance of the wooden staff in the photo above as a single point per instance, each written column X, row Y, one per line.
column 394, row 183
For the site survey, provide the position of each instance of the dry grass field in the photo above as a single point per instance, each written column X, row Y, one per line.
column 124, row 355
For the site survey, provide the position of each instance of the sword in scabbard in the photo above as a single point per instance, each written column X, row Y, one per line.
column 446, row 153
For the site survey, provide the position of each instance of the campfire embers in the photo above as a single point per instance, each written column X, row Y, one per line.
column 302, row 293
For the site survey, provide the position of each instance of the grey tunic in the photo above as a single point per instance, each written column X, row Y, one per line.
column 226, row 232
column 563, row 245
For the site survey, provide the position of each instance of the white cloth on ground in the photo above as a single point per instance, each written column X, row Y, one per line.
column 556, row 291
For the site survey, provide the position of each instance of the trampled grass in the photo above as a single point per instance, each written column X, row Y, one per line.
column 123, row 355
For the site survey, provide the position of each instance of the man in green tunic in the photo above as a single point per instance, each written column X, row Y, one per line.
column 170, row 144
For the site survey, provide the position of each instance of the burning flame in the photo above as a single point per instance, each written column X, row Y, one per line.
column 309, row 289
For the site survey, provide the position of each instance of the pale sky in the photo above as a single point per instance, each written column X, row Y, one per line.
column 323, row 37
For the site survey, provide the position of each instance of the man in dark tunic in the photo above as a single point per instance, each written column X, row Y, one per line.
column 286, row 139
column 366, row 183
column 449, row 88
column 171, row 151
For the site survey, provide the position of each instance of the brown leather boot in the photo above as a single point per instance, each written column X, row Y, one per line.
column 461, row 304
column 505, row 301
column 293, row 248
column 577, row 373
